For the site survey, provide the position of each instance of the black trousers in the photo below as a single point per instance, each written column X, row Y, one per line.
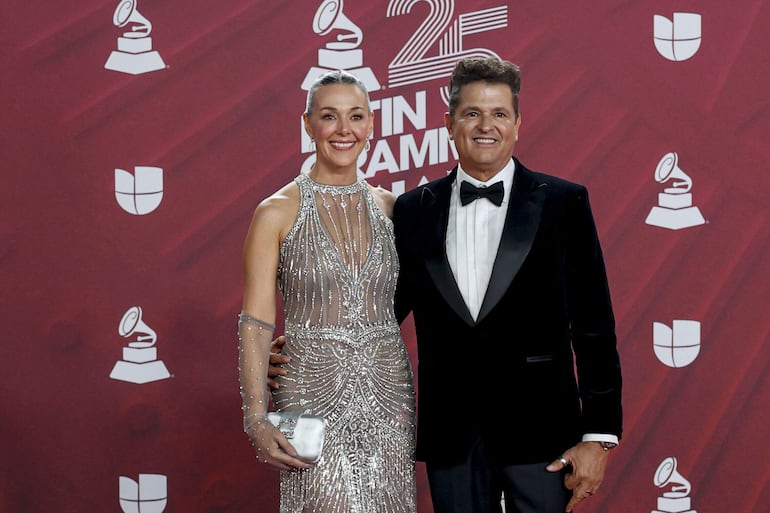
column 477, row 486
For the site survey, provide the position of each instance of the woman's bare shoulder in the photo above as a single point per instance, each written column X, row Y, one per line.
column 281, row 199
column 278, row 210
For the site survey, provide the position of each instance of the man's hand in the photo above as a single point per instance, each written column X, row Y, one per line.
column 588, row 461
column 276, row 359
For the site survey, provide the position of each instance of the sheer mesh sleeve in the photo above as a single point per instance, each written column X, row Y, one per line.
column 254, row 340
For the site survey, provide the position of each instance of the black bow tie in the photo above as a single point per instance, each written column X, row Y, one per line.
column 470, row 193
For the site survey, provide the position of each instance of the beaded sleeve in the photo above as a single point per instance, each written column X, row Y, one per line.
column 254, row 340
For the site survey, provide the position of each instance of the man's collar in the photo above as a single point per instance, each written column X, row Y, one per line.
column 505, row 175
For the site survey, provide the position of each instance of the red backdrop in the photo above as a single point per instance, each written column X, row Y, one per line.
column 221, row 119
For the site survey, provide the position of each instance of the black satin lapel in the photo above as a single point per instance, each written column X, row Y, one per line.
column 521, row 223
column 434, row 218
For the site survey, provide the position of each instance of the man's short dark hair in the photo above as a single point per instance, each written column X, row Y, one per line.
column 492, row 70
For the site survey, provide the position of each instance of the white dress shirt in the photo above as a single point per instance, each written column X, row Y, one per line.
column 473, row 236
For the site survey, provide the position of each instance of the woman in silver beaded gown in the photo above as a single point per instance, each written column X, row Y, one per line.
column 328, row 239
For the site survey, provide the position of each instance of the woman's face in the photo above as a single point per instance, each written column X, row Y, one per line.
column 339, row 123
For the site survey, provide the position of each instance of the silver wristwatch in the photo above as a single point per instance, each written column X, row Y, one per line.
column 607, row 445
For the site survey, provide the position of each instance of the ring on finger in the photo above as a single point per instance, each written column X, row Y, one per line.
column 564, row 461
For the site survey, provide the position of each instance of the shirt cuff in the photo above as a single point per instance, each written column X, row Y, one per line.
column 598, row 437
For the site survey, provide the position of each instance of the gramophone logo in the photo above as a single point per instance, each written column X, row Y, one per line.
column 148, row 495
column 677, row 346
column 140, row 362
column 134, row 54
column 139, row 193
column 343, row 53
column 676, row 499
column 675, row 209
column 677, row 40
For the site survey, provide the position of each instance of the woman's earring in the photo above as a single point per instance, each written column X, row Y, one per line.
column 312, row 145
column 367, row 146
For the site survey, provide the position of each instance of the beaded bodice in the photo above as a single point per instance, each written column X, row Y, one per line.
column 338, row 260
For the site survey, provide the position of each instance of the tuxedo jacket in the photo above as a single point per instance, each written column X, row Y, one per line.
column 539, row 366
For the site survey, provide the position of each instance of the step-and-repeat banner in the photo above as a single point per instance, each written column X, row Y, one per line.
column 138, row 136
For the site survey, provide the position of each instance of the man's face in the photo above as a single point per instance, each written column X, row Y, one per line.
column 484, row 128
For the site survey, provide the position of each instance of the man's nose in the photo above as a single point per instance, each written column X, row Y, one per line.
column 486, row 121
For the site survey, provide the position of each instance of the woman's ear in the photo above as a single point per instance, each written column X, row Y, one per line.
column 306, row 121
column 371, row 124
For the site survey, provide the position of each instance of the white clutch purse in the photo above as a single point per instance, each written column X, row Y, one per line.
column 305, row 432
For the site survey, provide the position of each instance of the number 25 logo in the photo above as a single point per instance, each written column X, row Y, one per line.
column 411, row 65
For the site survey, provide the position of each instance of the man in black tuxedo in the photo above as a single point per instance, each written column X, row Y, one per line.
column 502, row 260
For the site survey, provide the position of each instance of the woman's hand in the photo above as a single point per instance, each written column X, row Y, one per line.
column 273, row 447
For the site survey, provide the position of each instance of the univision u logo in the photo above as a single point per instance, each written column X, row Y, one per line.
column 147, row 495
column 139, row 193
column 677, row 39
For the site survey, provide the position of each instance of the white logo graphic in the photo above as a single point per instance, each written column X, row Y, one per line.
column 675, row 209
column 677, row 40
column 678, row 346
column 134, row 54
column 411, row 65
column 140, row 362
column 140, row 193
column 675, row 500
column 343, row 53
column 148, row 495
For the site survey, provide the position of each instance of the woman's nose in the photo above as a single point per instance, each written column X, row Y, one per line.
column 344, row 126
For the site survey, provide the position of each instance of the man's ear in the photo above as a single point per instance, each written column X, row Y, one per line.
column 448, row 123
